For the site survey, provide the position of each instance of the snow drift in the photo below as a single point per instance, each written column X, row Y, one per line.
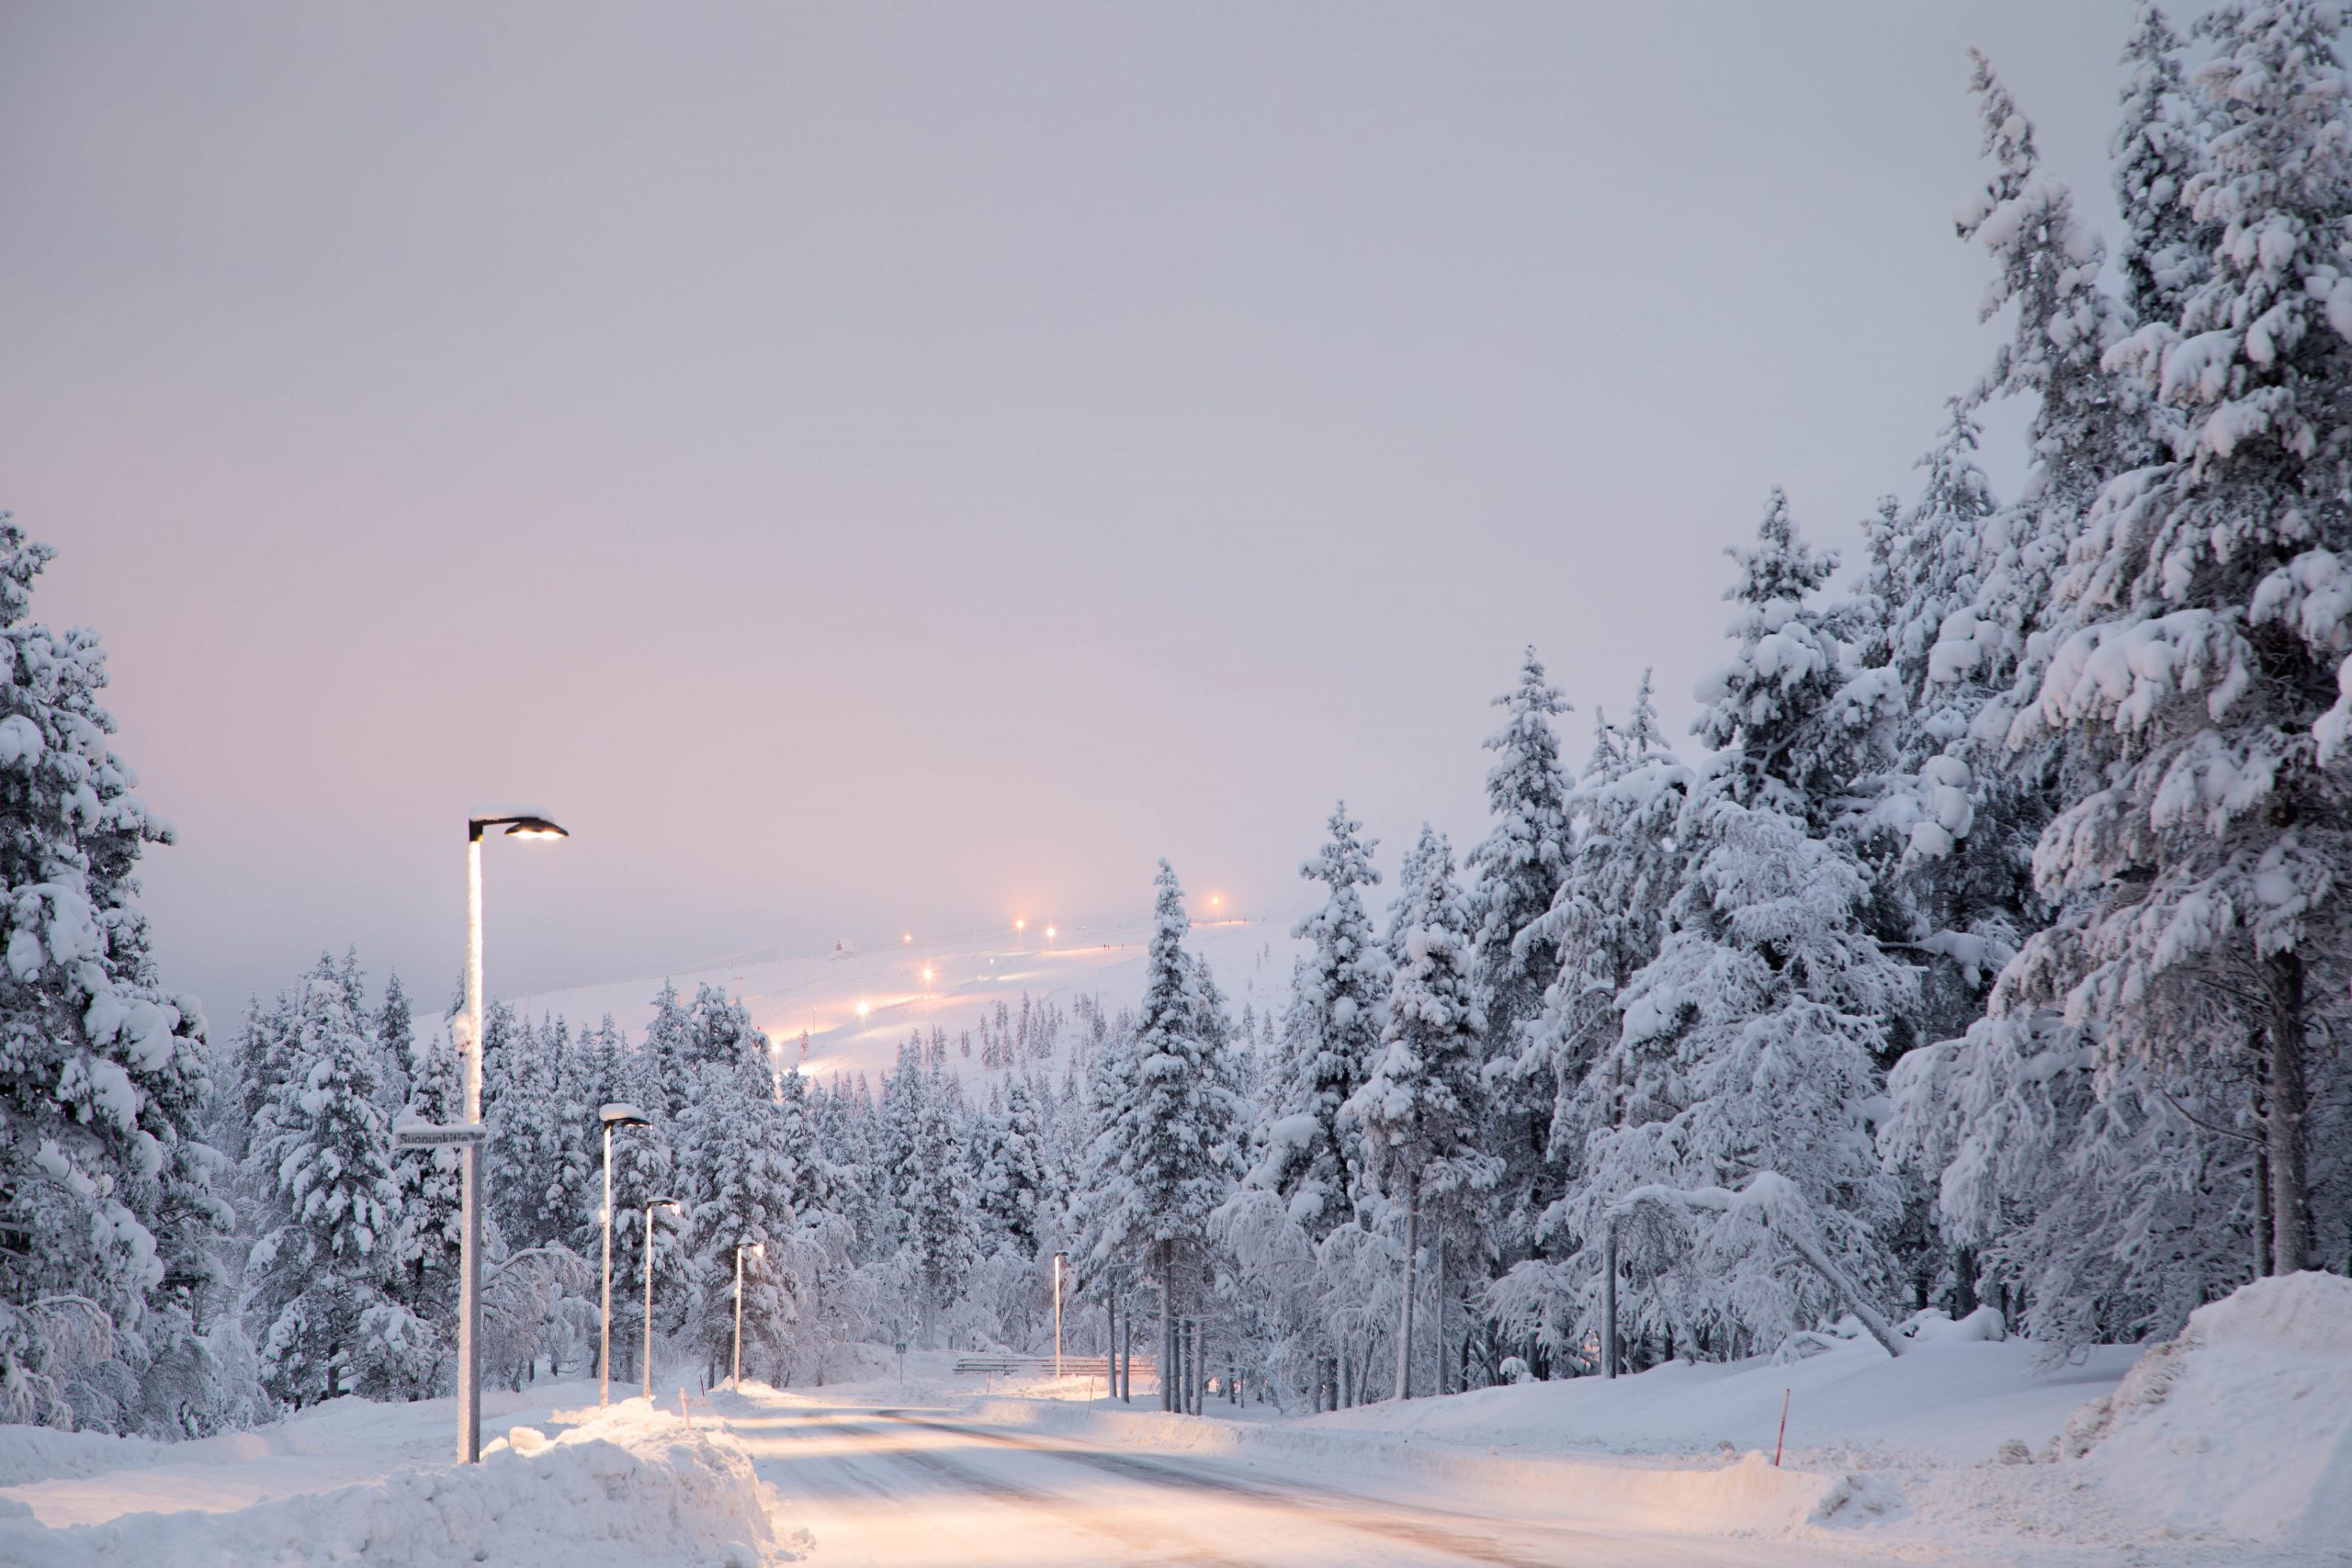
column 2242, row 1425
column 628, row 1486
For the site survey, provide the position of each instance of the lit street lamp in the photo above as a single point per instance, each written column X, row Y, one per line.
column 617, row 1114
column 470, row 1178
column 755, row 1249
column 655, row 1204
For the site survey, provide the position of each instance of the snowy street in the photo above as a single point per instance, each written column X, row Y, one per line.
column 911, row 1488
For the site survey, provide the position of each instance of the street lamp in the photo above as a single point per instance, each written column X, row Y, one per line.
column 755, row 1249
column 655, row 1204
column 469, row 1179
column 1060, row 1260
column 617, row 1114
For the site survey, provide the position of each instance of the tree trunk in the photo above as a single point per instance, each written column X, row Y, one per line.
column 1608, row 1301
column 1167, row 1336
column 1412, row 1286
column 1347, row 1367
column 2262, row 1267
column 2291, row 1206
column 1437, row 1306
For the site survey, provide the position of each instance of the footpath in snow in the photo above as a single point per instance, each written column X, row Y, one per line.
column 346, row 1483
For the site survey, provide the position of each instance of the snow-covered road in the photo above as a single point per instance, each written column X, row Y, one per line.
column 895, row 1488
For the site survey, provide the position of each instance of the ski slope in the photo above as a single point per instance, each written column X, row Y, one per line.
column 856, row 1005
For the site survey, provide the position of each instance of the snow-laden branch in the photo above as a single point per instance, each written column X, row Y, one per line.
column 1771, row 1200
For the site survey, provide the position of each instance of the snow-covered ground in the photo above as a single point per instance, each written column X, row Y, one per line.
column 2231, row 1445
column 820, row 993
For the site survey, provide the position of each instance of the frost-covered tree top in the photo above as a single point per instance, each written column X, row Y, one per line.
column 1785, row 713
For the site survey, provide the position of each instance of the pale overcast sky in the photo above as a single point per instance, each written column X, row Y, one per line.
column 871, row 465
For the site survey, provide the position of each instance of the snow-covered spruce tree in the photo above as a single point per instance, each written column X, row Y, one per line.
column 395, row 1043
column 669, row 1052
column 644, row 1169
column 524, row 1163
column 106, row 1211
column 930, row 1188
column 1625, row 864
column 734, row 1140
column 1013, row 1191
column 2021, row 1203
column 321, row 1149
column 428, row 1240
column 1746, row 1065
column 1423, row 1110
column 2099, row 1210
column 1163, row 1160
column 1330, row 1034
column 2158, row 147
column 2209, row 626
column 1515, row 875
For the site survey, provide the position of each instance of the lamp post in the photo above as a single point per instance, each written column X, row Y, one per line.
column 469, row 1172
column 617, row 1114
column 755, row 1249
column 1060, row 1260
column 655, row 1204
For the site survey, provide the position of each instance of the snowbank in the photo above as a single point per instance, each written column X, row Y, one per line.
column 1953, row 1397
column 2242, row 1426
column 629, row 1485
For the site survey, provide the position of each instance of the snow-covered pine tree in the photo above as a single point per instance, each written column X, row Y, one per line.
column 1972, row 807
column 1330, row 1033
column 323, row 1148
column 106, row 1211
column 734, row 1138
column 2158, row 147
column 933, row 1221
column 1012, row 1174
column 645, row 1167
column 427, row 1239
column 668, row 1054
column 1516, row 875
column 2208, row 627
column 395, row 1043
column 1747, row 1062
column 1422, row 1109
column 1160, row 1164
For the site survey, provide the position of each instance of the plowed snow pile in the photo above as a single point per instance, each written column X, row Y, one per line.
column 2242, row 1426
column 626, row 1486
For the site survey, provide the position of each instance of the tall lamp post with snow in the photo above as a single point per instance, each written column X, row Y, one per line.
column 743, row 1249
column 1061, row 1260
column 655, row 1204
column 524, row 826
column 618, row 1114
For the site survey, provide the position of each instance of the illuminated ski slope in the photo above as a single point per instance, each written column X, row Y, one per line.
column 856, row 1006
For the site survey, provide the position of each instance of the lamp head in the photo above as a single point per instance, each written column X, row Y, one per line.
column 621, row 1113
column 653, row 1203
column 755, row 1249
column 535, row 828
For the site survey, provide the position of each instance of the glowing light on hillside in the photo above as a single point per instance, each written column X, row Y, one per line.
column 861, row 1012
column 907, row 937
column 1049, row 934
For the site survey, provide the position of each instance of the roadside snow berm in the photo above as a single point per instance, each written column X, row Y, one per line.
column 2242, row 1425
column 625, row 1485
